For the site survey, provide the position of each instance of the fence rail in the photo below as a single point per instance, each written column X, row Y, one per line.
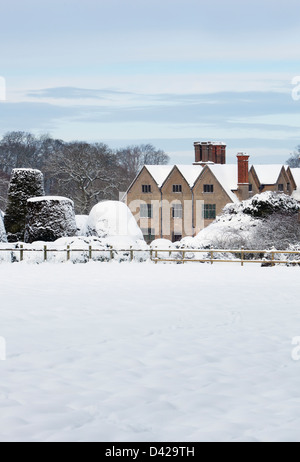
column 241, row 256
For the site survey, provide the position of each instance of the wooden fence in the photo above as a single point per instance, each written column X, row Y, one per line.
column 241, row 256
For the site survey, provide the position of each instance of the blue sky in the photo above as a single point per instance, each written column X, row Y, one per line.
column 168, row 72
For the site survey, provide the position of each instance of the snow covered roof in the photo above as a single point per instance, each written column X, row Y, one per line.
column 268, row 174
column 190, row 173
column 226, row 175
column 161, row 172
column 296, row 176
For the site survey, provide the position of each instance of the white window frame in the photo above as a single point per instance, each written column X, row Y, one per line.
column 177, row 211
column 146, row 211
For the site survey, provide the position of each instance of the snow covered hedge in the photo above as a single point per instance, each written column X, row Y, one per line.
column 263, row 205
column 265, row 221
column 24, row 184
column 49, row 218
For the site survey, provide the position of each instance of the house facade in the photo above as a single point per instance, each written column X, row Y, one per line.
column 175, row 201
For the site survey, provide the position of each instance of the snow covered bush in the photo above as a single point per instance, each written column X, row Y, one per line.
column 263, row 205
column 24, row 184
column 267, row 220
column 81, row 223
column 113, row 218
column 49, row 218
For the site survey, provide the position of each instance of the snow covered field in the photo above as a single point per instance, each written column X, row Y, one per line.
column 143, row 352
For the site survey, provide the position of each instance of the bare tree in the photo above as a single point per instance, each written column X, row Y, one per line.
column 17, row 150
column 4, row 183
column 83, row 171
column 87, row 173
column 132, row 158
column 294, row 159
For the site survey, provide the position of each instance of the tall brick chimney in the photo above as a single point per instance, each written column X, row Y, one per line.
column 243, row 176
column 210, row 151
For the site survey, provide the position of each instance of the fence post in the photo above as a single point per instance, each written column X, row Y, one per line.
column 21, row 252
column 183, row 256
column 45, row 253
column 242, row 257
column 90, row 252
column 151, row 254
column 212, row 256
column 131, row 253
column 155, row 256
column 68, row 252
column 111, row 253
column 273, row 258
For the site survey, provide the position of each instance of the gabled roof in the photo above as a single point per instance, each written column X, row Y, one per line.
column 226, row 175
column 268, row 174
column 190, row 173
column 160, row 173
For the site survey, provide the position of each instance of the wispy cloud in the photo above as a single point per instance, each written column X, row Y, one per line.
column 76, row 93
column 222, row 109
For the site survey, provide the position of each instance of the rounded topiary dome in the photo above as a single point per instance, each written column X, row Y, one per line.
column 49, row 218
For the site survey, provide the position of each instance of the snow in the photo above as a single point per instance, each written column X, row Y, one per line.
column 16, row 170
column 3, row 237
column 81, row 223
column 113, row 218
column 50, row 199
column 213, row 143
column 159, row 172
column 190, row 173
column 225, row 231
column 162, row 244
column 243, row 224
column 95, row 355
column 227, row 177
column 268, row 174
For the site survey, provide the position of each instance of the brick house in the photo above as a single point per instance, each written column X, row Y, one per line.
column 174, row 201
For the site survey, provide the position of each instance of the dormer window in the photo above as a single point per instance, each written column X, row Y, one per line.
column 208, row 188
column 146, row 188
column 177, row 188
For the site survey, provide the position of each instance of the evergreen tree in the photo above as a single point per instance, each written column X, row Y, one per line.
column 24, row 184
